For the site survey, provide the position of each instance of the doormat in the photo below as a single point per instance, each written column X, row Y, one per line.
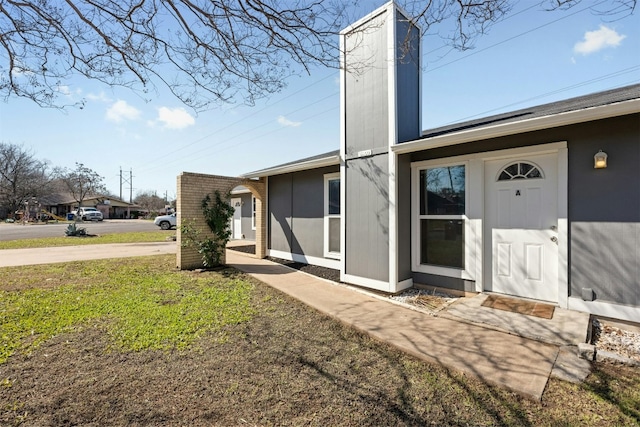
column 519, row 306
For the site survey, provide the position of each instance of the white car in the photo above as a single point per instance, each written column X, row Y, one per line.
column 88, row 214
column 166, row 222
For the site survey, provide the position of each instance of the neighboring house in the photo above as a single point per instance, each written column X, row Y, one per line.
column 111, row 207
column 511, row 204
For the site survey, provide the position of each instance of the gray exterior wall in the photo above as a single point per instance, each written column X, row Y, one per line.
column 247, row 230
column 296, row 212
column 408, row 80
column 366, row 89
column 604, row 211
column 604, row 205
column 367, row 218
column 404, row 218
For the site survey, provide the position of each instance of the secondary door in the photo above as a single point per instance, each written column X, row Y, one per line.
column 521, row 223
column 236, row 222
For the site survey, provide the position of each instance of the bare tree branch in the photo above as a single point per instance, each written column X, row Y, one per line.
column 205, row 52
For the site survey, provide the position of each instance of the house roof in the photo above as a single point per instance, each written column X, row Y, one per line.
column 330, row 158
column 595, row 106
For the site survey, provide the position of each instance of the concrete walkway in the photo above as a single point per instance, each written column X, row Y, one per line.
column 32, row 256
column 520, row 364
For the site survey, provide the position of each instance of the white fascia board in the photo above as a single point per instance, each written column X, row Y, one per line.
column 295, row 167
column 546, row 122
column 379, row 11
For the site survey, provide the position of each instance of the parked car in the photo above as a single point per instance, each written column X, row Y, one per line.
column 88, row 214
column 166, row 222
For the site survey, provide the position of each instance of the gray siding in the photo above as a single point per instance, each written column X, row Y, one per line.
column 279, row 195
column 366, row 90
column 308, row 212
column 247, row 212
column 444, row 282
column 404, row 218
column 408, row 80
column 605, row 257
column 296, row 212
column 367, row 218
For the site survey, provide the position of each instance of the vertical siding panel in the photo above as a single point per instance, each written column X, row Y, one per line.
column 367, row 218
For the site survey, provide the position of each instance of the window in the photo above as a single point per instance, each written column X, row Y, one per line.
column 520, row 170
column 332, row 215
column 442, row 209
column 253, row 212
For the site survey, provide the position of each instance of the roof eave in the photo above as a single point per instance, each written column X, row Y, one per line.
column 529, row 125
column 311, row 164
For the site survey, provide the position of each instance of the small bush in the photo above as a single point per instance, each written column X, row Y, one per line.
column 75, row 231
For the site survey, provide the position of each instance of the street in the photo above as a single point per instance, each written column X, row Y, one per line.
column 17, row 231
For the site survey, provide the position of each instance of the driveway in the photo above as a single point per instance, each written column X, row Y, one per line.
column 16, row 257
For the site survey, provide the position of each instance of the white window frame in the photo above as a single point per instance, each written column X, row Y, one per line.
column 253, row 212
column 467, row 272
column 330, row 177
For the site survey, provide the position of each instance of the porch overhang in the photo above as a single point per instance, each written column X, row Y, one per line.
column 329, row 160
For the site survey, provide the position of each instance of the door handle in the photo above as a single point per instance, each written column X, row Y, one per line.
column 554, row 239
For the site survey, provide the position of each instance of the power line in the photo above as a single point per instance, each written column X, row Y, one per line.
column 512, row 38
column 556, row 91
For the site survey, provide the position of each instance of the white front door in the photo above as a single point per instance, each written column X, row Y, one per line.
column 236, row 224
column 521, row 223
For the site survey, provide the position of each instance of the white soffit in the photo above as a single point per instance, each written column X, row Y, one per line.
column 513, row 128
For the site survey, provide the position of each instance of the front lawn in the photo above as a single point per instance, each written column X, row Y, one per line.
column 131, row 342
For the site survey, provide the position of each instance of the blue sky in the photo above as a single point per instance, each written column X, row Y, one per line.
column 533, row 57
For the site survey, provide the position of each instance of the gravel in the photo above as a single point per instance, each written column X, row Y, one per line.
column 625, row 343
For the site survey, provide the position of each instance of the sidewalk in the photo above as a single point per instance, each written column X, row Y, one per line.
column 520, row 364
column 32, row 256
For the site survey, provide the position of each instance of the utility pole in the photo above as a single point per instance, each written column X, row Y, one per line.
column 130, row 182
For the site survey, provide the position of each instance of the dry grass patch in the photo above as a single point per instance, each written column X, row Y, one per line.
column 282, row 364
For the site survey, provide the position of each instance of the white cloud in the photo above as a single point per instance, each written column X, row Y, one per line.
column 64, row 90
column 175, row 118
column 102, row 97
column 597, row 40
column 286, row 122
column 121, row 111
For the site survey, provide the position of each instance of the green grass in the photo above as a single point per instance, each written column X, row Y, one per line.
column 139, row 302
column 46, row 242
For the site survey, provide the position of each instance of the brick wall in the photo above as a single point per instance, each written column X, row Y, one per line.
column 192, row 188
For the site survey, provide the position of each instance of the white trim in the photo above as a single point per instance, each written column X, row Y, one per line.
column 508, row 129
column 404, row 284
column 392, row 137
column 305, row 259
column 563, row 227
column 466, row 273
column 474, row 250
column 365, row 19
column 243, row 191
column 343, row 142
column 327, row 217
column 605, row 309
column 379, row 285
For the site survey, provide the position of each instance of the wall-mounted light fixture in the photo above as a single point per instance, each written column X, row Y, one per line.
column 600, row 160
